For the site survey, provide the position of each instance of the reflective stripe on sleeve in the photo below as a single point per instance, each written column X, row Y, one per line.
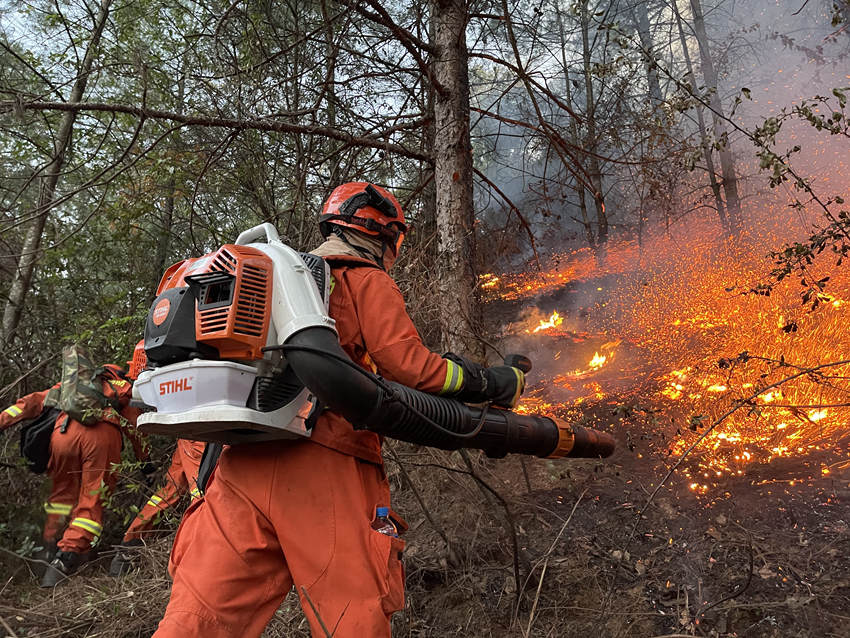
column 154, row 500
column 62, row 509
column 520, row 385
column 454, row 378
column 196, row 493
column 89, row 525
column 13, row 411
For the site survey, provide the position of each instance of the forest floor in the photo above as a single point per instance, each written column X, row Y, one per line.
column 768, row 555
column 529, row 547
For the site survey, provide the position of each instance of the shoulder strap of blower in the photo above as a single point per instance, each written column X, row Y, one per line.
column 208, row 462
column 335, row 261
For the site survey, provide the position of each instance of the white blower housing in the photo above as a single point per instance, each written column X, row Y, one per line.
column 207, row 376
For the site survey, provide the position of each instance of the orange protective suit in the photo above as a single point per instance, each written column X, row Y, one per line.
column 180, row 478
column 283, row 513
column 80, row 465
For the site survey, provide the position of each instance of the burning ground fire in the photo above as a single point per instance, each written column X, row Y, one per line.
column 697, row 344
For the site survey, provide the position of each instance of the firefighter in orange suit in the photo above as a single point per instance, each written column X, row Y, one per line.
column 180, row 478
column 80, row 466
column 282, row 513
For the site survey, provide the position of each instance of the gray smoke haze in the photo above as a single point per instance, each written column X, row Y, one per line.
column 777, row 53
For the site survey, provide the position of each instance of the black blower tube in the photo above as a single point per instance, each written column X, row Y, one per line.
column 397, row 411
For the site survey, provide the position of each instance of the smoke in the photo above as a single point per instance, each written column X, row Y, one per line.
column 770, row 56
column 777, row 55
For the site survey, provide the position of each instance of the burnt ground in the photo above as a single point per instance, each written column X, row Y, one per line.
column 530, row 547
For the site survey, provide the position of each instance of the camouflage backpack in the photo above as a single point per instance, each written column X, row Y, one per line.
column 81, row 392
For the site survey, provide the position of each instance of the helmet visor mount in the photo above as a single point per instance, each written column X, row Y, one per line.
column 369, row 197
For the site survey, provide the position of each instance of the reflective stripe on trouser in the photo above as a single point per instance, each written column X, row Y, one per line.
column 240, row 549
column 177, row 483
column 454, row 378
column 62, row 509
column 89, row 525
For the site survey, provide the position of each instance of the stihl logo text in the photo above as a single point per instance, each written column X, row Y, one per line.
column 168, row 387
column 160, row 312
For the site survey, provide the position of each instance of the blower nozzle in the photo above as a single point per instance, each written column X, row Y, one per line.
column 399, row 412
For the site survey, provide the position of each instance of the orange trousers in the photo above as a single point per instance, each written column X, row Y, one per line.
column 80, row 466
column 278, row 514
column 180, row 478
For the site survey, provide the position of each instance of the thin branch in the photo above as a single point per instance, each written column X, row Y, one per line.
column 264, row 124
column 504, row 504
column 742, row 588
column 409, row 41
column 451, row 553
column 740, row 403
column 9, row 387
column 546, row 557
column 513, row 208
column 316, row 612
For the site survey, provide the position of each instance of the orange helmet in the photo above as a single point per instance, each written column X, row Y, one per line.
column 367, row 208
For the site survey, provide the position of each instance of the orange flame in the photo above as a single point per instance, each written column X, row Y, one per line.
column 554, row 321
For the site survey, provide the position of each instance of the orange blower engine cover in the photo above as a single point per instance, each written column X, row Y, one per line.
column 233, row 286
column 139, row 361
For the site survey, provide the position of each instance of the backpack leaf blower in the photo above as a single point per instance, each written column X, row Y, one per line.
column 240, row 348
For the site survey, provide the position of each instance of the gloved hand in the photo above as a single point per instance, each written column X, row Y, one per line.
column 502, row 385
column 505, row 385
column 148, row 468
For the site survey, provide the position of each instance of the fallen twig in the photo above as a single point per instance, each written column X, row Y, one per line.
column 316, row 612
column 545, row 564
column 6, row 626
column 741, row 589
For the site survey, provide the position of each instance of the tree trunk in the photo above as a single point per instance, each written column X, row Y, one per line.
column 163, row 240
column 428, row 209
column 727, row 163
column 573, row 129
column 32, row 243
column 640, row 15
column 703, row 136
column 453, row 179
column 590, row 143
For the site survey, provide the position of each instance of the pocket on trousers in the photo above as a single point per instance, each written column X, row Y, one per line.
column 389, row 550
